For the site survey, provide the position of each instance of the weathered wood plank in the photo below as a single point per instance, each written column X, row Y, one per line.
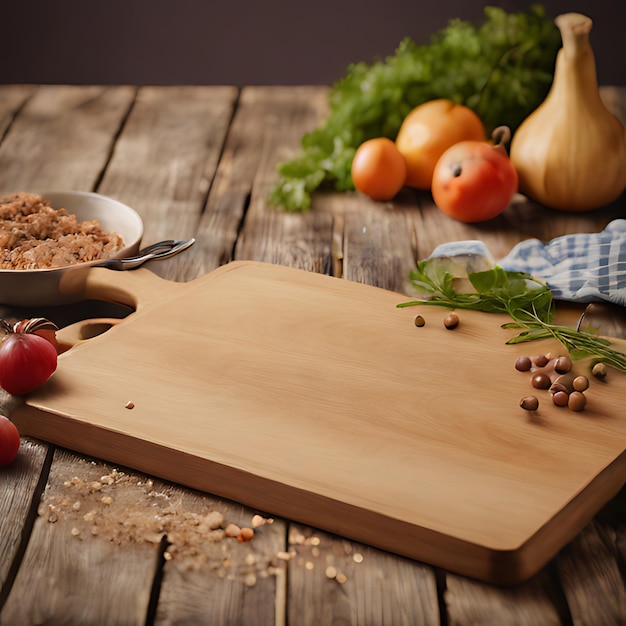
column 62, row 138
column 70, row 574
column 469, row 602
column 590, row 572
column 12, row 99
column 223, row 581
column 377, row 247
column 335, row 581
column 534, row 602
column 521, row 220
column 164, row 163
column 17, row 491
column 280, row 117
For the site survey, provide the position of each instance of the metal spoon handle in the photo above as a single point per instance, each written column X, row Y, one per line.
column 161, row 250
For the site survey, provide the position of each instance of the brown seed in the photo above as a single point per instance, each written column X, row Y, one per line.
column 566, row 380
column 541, row 360
column 558, row 388
column 599, row 370
column 577, row 401
column 523, row 364
column 451, row 321
column 560, row 398
column 580, row 383
column 529, row 403
column 419, row 321
column 541, row 381
column 563, row 365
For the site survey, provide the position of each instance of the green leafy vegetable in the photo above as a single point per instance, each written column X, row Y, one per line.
column 501, row 69
column 526, row 300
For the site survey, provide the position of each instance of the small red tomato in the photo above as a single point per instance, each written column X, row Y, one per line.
column 378, row 169
column 9, row 441
column 474, row 181
column 26, row 362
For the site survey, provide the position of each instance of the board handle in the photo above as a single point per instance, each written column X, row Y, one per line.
column 133, row 288
column 83, row 330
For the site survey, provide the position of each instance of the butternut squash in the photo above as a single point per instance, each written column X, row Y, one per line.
column 570, row 153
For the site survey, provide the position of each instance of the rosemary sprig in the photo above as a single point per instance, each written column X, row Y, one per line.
column 526, row 300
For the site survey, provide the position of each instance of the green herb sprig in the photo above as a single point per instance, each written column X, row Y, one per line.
column 525, row 299
column 502, row 69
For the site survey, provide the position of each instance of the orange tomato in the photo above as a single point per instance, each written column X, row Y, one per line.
column 474, row 181
column 378, row 169
column 428, row 131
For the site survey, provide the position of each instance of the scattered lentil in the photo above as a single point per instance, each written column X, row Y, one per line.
column 420, row 321
column 259, row 520
column 232, row 530
column 246, row 534
column 122, row 508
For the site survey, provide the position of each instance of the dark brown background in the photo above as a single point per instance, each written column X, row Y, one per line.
column 244, row 41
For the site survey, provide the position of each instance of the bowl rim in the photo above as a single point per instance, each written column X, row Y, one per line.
column 83, row 264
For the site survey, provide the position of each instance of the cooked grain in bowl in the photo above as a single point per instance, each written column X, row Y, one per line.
column 34, row 235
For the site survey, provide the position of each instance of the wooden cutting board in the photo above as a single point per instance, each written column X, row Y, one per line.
column 317, row 399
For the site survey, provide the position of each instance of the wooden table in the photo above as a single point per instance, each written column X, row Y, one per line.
column 198, row 161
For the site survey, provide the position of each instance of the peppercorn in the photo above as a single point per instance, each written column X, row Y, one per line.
column 419, row 321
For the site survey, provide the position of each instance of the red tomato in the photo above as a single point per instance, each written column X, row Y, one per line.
column 474, row 181
column 26, row 362
column 9, row 441
column 378, row 169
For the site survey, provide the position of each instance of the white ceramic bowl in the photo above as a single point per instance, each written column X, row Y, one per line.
column 63, row 285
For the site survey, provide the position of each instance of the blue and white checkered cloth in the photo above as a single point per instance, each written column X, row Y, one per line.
column 584, row 267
